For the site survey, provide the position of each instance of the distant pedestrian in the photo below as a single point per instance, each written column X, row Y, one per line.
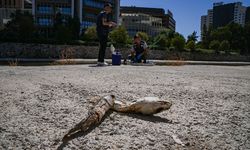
column 104, row 24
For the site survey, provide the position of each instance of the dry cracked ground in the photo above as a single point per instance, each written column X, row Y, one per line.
column 211, row 107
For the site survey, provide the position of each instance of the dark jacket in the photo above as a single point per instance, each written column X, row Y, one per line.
column 101, row 29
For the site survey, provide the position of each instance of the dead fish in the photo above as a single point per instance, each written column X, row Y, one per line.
column 146, row 106
column 93, row 118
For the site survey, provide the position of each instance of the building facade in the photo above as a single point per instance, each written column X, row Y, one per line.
column 17, row 4
column 210, row 15
column 206, row 21
column 141, row 23
column 223, row 14
column 203, row 26
column 167, row 19
column 239, row 13
column 86, row 11
column 229, row 13
column 44, row 11
column 7, row 7
column 247, row 19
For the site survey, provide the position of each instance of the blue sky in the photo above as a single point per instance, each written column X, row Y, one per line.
column 186, row 13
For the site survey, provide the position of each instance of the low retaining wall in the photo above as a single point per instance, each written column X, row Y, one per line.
column 24, row 50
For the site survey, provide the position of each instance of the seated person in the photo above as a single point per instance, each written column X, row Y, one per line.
column 139, row 50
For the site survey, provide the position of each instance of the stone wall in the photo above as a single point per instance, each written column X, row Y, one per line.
column 23, row 50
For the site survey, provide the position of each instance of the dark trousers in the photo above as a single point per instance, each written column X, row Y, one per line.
column 103, row 39
column 137, row 58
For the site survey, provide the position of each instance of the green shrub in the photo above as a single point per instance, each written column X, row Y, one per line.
column 191, row 45
column 63, row 34
column 143, row 35
column 161, row 42
column 119, row 37
column 90, row 34
column 215, row 44
column 178, row 42
column 225, row 46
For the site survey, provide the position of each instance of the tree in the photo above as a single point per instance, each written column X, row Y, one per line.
column 206, row 36
column 191, row 45
column 74, row 26
column 237, row 40
column 168, row 33
column 63, row 34
column 192, row 37
column 20, row 28
column 90, row 34
column 178, row 42
column 66, row 29
column 143, row 35
column 161, row 42
column 119, row 37
column 58, row 20
column 247, row 38
column 214, row 45
column 221, row 33
column 198, row 45
column 224, row 46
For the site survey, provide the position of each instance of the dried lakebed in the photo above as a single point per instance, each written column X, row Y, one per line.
column 211, row 107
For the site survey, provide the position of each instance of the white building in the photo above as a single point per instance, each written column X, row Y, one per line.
column 207, row 20
column 139, row 22
column 239, row 13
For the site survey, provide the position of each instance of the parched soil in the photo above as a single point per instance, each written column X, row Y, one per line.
column 211, row 107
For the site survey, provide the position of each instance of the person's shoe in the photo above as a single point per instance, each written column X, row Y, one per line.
column 102, row 64
column 125, row 62
column 106, row 64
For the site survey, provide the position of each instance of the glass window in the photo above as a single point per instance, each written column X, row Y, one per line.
column 45, row 9
column 65, row 10
column 90, row 15
column 96, row 4
column 86, row 24
column 44, row 21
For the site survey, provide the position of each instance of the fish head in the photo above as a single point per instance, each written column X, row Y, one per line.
column 160, row 106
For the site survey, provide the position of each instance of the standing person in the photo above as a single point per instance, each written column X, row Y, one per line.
column 104, row 24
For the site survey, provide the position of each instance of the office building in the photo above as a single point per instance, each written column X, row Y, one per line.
column 206, row 21
column 204, row 26
column 167, row 19
column 223, row 14
column 86, row 11
column 228, row 13
column 139, row 22
column 17, row 4
column 239, row 13
column 247, row 19
column 44, row 11
column 7, row 7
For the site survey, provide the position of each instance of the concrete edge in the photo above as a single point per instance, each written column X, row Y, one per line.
column 23, row 61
